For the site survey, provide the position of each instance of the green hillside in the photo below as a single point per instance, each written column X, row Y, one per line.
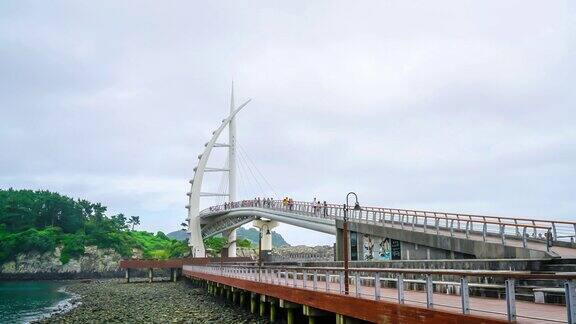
column 42, row 220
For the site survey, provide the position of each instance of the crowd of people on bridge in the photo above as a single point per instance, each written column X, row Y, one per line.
column 320, row 208
column 317, row 207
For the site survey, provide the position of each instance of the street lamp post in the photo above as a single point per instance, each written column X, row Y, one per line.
column 345, row 239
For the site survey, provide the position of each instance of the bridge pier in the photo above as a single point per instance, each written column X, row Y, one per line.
column 242, row 298
column 265, row 227
column 227, row 293
column 312, row 313
column 273, row 306
column 263, row 299
column 150, row 274
column 127, row 275
column 290, row 307
column 253, row 297
column 341, row 319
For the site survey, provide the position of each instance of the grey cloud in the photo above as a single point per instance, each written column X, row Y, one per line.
column 460, row 106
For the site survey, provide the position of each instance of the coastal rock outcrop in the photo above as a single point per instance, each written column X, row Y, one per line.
column 94, row 262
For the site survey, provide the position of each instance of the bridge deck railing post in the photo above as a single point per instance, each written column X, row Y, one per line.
column 357, row 283
column 400, row 287
column 377, row 286
column 315, row 280
column 341, row 281
column 464, row 295
column 570, row 286
column 510, row 300
column 429, row 292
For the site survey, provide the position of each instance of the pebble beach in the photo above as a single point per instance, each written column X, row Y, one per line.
column 114, row 301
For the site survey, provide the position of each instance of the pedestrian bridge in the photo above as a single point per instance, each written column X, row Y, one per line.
column 478, row 235
column 399, row 233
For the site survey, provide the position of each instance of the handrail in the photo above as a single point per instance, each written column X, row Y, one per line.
column 367, row 283
column 520, row 229
column 469, row 273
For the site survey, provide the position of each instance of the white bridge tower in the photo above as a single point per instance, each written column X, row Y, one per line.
column 194, row 230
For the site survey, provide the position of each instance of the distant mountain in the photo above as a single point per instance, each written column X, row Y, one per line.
column 178, row 235
column 251, row 234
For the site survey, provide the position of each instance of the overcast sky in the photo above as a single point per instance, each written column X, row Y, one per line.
column 465, row 106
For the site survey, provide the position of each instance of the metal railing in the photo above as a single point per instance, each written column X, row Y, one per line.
column 373, row 283
column 465, row 225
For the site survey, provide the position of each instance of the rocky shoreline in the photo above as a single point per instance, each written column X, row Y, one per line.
column 113, row 300
column 60, row 275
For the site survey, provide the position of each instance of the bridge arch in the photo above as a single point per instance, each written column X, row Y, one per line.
column 194, row 226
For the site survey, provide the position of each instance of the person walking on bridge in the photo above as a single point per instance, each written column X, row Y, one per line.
column 314, row 206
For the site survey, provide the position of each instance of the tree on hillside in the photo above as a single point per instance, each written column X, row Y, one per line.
column 134, row 220
column 41, row 220
column 120, row 221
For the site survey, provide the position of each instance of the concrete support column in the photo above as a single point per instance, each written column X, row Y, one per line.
column 290, row 307
column 339, row 255
column 234, row 292
column 253, row 302
column 150, row 274
column 228, row 293
column 221, row 290
column 242, row 298
column 231, row 234
column 273, row 305
column 127, row 275
column 263, row 300
column 312, row 313
column 341, row 319
column 265, row 227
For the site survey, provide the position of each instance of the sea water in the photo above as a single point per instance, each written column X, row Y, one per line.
column 25, row 301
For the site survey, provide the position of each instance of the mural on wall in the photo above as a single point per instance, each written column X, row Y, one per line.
column 377, row 248
column 368, row 247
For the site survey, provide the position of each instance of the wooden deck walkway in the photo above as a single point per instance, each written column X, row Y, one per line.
column 483, row 308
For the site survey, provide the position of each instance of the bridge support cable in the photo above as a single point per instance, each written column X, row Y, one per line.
column 247, row 156
column 223, row 185
column 246, row 185
column 261, row 191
